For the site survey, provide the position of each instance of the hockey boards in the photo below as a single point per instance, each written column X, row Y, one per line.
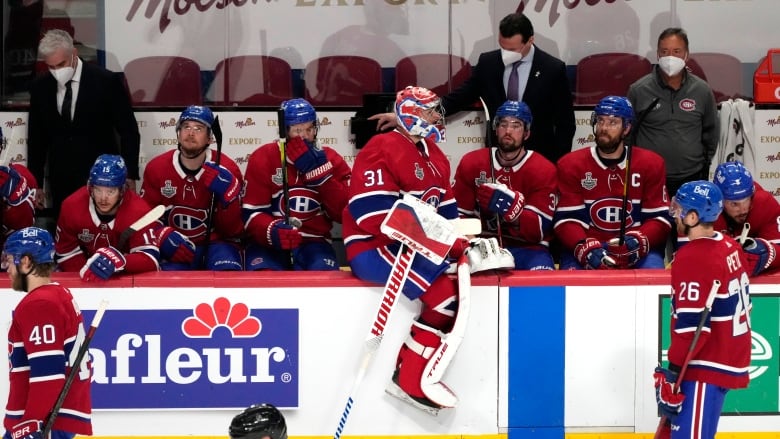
column 420, row 230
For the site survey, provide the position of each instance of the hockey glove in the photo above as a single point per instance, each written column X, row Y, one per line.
column 485, row 254
column 105, row 262
column 175, row 247
column 283, row 236
column 591, row 255
column 310, row 160
column 13, row 187
column 669, row 402
column 635, row 247
column 221, row 182
column 31, row 429
column 498, row 198
column 760, row 254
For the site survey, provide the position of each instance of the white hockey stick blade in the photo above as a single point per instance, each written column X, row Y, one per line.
column 467, row 226
column 150, row 217
column 417, row 225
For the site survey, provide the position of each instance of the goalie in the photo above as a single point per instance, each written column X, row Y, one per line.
column 407, row 162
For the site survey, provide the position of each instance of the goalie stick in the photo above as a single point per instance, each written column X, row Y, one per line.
column 664, row 429
column 74, row 368
column 418, row 227
column 150, row 217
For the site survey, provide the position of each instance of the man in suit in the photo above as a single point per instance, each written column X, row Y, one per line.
column 539, row 80
column 97, row 118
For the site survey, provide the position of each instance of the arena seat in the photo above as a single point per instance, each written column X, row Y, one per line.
column 163, row 81
column 439, row 72
column 341, row 80
column 251, row 80
column 721, row 71
column 605, row 74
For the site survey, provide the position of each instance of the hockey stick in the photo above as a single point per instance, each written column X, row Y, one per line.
column 489, row 142
column 629, row 148
column 150, row 217
column 217, row 130
column 285, row 181
column 74, row 368
column 664, row 429
column 406, row 222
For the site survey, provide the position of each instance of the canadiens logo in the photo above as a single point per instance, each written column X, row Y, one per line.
column 168, row 190
column 418, row 172
column 588, row 183
column 687, row 104
column 605, row 214
column 432, row 196
column 304, row 204
column 85, row 236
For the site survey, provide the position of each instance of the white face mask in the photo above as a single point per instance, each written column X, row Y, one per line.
column 63, row 74
column 509, row 57
column 671, row 65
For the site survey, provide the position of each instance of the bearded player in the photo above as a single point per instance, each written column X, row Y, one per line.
column 591, row 183
column 513, row 192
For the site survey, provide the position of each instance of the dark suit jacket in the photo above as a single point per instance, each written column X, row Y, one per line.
column 103, row 123
column 547, row 94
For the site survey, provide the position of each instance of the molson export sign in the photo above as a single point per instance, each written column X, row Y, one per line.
column 761, row 396
column 217, row 355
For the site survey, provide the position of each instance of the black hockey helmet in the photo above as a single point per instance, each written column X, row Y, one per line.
column 257, row 422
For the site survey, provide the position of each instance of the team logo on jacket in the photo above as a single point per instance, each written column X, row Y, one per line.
column 418, row 172
column 304, row 203
column 277, row 177
column 187, row 220
column 432, row 196
column 168, row 190
column 212, row 354
column 588, row 183
column 605, row 214
column 687, row 104
column 482, row 179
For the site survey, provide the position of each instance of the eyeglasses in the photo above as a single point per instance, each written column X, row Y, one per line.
column 193, row 128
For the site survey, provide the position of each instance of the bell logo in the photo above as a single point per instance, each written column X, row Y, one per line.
column 704, row 191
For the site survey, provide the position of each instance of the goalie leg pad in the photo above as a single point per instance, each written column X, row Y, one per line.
column 415, row 354
column 486, row 254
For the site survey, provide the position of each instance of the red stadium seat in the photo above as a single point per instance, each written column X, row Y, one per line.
column 439, row 72
column 163, row 81
column 605, row 74
column 721, row 71
column 251, row 80
column 341, row 80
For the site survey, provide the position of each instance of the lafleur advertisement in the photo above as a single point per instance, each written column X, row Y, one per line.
column 217, row 355
column 761, row 396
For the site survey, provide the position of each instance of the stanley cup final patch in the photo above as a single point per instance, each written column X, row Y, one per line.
column 589, row 182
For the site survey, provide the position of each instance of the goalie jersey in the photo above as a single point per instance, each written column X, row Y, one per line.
column 388, row 167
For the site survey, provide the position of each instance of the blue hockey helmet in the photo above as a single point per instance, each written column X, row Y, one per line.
column 30, row 241
column 518, row 110
column 109, row 171
column 257, row 422
column 616, row 106
column 734, row 181
column 410, row 104
column 702, row 196
column 198, row 114
column 297, row 111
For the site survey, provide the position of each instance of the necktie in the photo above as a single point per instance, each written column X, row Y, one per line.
column 67, row 102
column 513, row 84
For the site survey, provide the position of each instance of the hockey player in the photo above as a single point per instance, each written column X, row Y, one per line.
column 720, row 359
column 295, row 211
column 17, row 195
column 592, row 182
column 260, row 421
column 46, row 333
column 406, row 161
column 186, row 181
column 95, row 216
column 515, row 187
column 740, row 219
